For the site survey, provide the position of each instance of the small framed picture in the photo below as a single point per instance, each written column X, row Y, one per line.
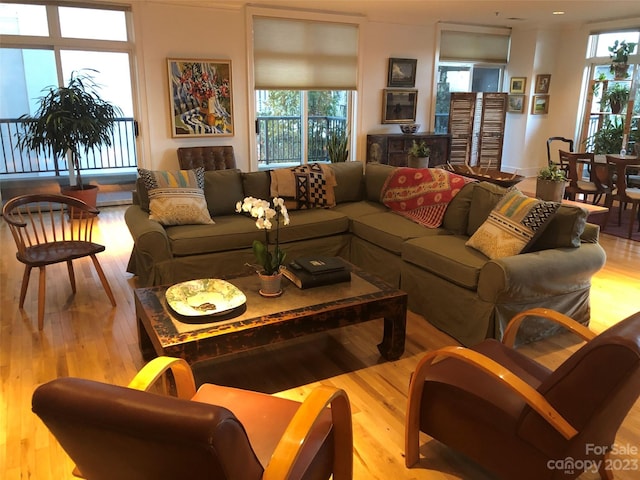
column 402, row 72
column 542, row 83
column 399, row 106
column 516, row 103
column 540, row 105
column 517, row 84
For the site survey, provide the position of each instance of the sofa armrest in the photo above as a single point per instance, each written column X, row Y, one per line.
column 149, row 237
column 540, row 274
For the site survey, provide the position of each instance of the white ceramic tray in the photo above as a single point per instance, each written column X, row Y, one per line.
column 207, row 296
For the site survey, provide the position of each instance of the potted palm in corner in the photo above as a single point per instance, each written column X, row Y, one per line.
column 71, row 120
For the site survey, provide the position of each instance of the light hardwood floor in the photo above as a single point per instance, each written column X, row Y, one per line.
column 83, row 336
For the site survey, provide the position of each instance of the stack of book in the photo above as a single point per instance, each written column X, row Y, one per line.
column 315, row 271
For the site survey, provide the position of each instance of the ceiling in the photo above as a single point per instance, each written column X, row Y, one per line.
column 504, row 13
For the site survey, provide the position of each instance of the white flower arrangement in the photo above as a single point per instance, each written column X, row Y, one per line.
column 266, row 217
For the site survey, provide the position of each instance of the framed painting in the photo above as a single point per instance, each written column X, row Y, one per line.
column 540, row 105
column 402, row 72
column 517, row 84
column 515, row 103
column 200, row 97
column 399, row 106
column 542, row 83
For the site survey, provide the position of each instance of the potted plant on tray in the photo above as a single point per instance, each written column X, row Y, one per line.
column 550, row 184
column 419, row 155
column 269, row 261
column 71, row 120
column 619, row 54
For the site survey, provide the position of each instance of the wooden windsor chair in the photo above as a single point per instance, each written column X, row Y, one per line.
column 49, row 229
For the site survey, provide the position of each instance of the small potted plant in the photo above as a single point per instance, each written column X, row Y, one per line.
column 71, row 120
column 551, row 183
column 419, row 155
column 269, row 261
column 619, row 54
column 337, row 146
column 616, row 97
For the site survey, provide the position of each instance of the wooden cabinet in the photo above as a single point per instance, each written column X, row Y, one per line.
column 393, row 149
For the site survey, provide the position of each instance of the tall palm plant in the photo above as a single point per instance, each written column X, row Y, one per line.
column 70, row 119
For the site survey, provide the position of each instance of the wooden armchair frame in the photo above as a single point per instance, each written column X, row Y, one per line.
column 531, row 396
column 296, row 434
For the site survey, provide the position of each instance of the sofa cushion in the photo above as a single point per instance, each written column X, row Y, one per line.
column 349, row 181
column 447, row 257
column 313, row 223
column 359, row 209
column 231, row 232
column 389, row 230
column 564, row 230
column 257, row 184
column 178, row 206
column 223, row 189
column 456, row 217
column 306, row 186
column 512, row 225
column 485, row 197
column 375, row 177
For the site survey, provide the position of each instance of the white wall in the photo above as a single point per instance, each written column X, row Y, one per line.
column 166, row 31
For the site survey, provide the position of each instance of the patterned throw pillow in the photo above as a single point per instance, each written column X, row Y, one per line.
column 172, row 178
column 513, row 225
column 307, row 186
column 152, row 179
column 179, row 206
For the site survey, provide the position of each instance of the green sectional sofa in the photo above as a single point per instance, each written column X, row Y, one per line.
column 456, row 288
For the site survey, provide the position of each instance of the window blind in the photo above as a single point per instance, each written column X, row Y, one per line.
column 473, row 46
column 291, row 54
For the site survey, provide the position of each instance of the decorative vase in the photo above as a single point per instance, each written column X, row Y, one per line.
column 270, row 285
column 549, row 190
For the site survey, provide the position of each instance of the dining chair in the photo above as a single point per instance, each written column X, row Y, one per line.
column 622, row 193
column 575, row 164
column 217, row 432
column 553, row 149
column 50, row 229
column 519, row 419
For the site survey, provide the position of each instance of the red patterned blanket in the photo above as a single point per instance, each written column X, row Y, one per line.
column 422, row 194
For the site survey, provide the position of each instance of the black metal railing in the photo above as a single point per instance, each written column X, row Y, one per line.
column 280, row 138
column 121, row 154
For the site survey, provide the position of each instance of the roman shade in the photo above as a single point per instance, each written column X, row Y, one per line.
column 292, row 54
column 473, row 46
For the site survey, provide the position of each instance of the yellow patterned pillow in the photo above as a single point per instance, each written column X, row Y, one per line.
column 179, row 206
column 513, row 225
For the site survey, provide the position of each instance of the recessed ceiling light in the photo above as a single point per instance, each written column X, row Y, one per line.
column 558, row 13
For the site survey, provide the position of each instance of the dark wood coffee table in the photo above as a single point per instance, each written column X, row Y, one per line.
column 264, row 321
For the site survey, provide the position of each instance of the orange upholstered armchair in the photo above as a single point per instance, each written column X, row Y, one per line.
column 515, row 417
column 215, row 433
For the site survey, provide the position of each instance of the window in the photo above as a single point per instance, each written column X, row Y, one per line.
column 291, row 121
column 33, row 57
column 472, row 59
column 462, row 77
column 305, row 75
column 611, row 113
